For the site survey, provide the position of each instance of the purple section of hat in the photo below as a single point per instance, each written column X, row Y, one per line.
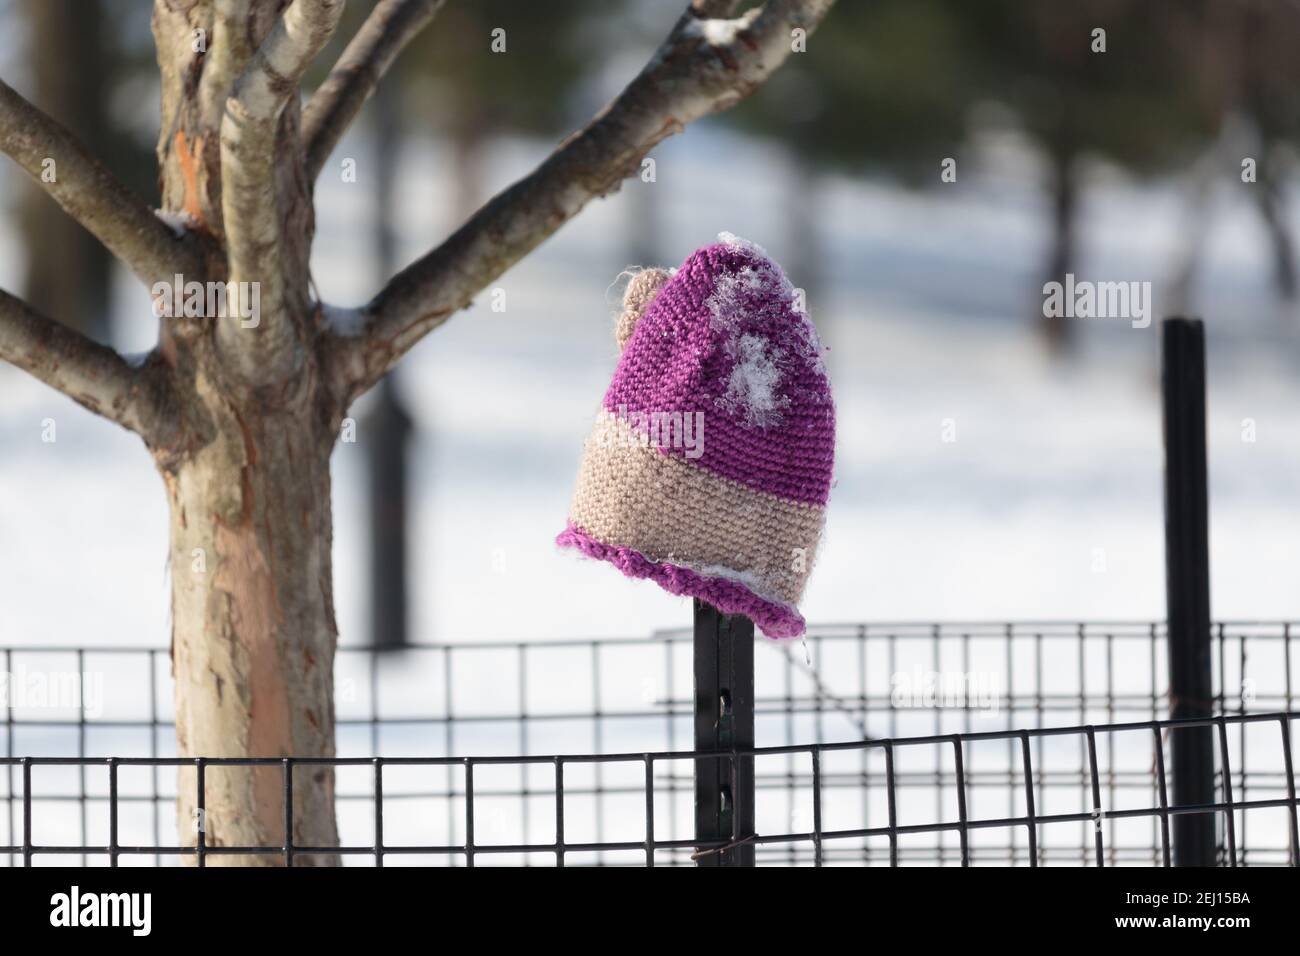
column 727, row 342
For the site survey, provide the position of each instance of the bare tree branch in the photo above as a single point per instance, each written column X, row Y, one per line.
column 333, row 107
column 91, row 374
column 248, row 190
column 227, row 56
column 703, row 67
column 91, row 194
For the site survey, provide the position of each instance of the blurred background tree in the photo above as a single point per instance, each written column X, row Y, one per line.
column 1092, row 79
column 887, row 93
column 1181, row 88
column 67, row 270
column 895, row 85
column 466, row 98
column 1270, row 79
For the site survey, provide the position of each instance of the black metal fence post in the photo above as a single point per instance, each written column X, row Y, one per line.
column 1187, row 584
column 724, row 719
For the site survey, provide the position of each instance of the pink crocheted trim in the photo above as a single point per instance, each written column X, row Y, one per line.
column 730, row 597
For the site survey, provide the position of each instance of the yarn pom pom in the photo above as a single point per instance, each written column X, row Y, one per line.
column 640, row 292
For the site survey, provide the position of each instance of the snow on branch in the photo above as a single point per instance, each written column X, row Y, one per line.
column 91, row 374
column 248, row 190
column 704, row 66
column 333, row 107
column 92, row 195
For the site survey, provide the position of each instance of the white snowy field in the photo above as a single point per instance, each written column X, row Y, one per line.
column 1046, row 505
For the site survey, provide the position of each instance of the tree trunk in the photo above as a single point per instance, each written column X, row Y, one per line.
column 253, row 630
column 1056, row 328
column 1271, row 197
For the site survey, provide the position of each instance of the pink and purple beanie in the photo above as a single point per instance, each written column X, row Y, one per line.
column 709, row 465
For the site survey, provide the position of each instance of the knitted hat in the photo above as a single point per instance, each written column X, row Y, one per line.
column 709, row 465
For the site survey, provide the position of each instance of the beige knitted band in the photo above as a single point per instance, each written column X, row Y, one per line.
column 635, row 496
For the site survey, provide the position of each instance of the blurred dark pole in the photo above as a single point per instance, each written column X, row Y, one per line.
column 1058, row 28
column 1270, row 194
column 387, row 427
column 1187, row 583
column 68, row 270
column 1064, row 185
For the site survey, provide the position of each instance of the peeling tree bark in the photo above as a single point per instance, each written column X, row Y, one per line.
column 241, row 421
column 253, row 632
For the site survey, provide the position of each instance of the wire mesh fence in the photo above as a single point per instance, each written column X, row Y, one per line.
column 824, row 842
column 1025, row 744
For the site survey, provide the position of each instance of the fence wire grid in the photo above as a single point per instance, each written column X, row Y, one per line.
column 878, row 744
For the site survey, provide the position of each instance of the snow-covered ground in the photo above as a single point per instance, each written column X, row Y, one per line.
column 1047, row 504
